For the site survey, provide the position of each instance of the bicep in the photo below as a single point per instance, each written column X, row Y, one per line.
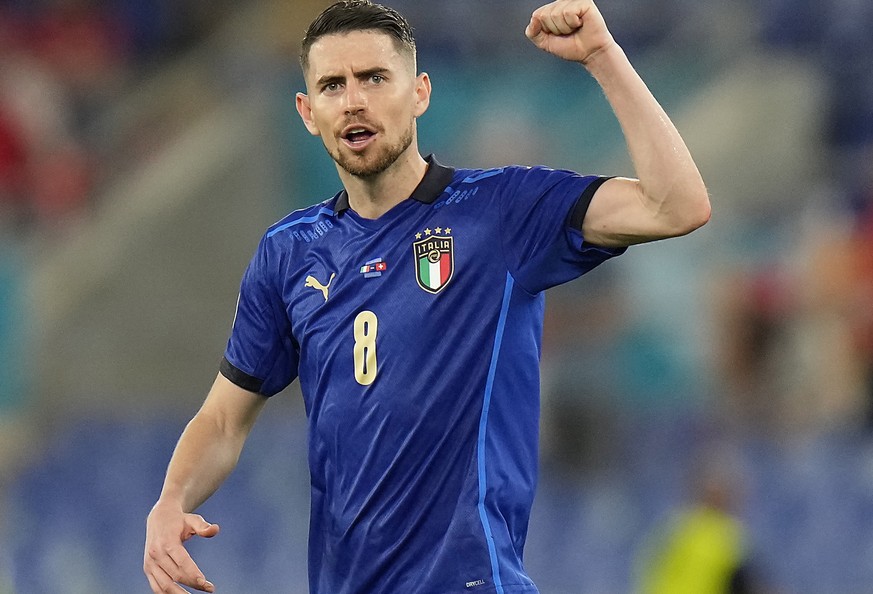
column 231, row 407
column 619, row 215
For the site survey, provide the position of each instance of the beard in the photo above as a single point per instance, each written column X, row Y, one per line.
column 359, row 165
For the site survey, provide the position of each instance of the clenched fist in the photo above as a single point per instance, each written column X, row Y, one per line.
column 570, row 29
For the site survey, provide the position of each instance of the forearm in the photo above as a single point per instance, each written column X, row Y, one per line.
column 669, row 181
column 204, row 456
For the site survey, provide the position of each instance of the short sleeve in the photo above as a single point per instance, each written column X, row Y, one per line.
column 261, row 354
column 541, row 212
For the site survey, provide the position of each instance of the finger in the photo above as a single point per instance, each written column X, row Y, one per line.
column 573, row 20
column 187, row 571
column 164, row 583
column 163, row 567
column 555, row 23
column 156, row 589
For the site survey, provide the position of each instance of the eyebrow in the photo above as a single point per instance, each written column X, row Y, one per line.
column 359, row 74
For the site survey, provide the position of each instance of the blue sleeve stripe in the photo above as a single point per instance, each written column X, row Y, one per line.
column 483, row 426
column 310, row 219
column 483, row 175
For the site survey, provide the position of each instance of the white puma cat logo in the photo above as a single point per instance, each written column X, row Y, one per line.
column 313, row 282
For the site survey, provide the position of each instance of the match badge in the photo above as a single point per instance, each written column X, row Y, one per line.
column 374, row 268
column 434, row 259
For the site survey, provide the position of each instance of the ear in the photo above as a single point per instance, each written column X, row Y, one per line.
column 422, row 93
column 305, row 111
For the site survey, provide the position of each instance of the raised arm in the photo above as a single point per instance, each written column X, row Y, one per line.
column 669, row 198
column 207, row 451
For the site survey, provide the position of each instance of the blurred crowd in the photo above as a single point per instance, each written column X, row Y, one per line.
column 63, row 64
column 796, row 324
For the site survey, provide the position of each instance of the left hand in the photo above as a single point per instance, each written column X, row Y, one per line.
column 570, row 29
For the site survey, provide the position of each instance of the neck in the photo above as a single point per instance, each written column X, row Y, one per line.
column 371, row 197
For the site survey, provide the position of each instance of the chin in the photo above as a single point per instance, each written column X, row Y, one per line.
column 361, row 165
column 374, row 160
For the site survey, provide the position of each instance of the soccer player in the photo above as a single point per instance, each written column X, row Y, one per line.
column 410, row 306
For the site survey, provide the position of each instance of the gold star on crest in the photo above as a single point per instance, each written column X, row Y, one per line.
column 427, row 231
column 448, row 229
column 418, row 235
column 438, row 230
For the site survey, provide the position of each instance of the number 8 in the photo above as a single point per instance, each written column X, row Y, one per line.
column 366, row 326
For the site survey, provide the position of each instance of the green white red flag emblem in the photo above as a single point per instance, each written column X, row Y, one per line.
column 434, row 262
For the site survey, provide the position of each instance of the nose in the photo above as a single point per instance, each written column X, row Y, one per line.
column 356, row 99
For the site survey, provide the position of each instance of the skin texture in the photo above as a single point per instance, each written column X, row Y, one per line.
column 206, row 453
column 669, row 198
column 360, row 80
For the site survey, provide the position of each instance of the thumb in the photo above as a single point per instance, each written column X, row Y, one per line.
column 534, row 29
column 200, row 527
column 208, row 530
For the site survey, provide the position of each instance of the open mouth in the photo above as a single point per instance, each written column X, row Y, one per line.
column 357, row 137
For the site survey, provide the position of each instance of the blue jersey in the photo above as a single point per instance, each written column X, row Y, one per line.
column 416, row 339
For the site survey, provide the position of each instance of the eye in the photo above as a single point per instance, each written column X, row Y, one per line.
column 377, row 79
column 331, row 87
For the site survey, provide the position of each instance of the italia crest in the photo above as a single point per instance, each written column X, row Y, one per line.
column 434, row 259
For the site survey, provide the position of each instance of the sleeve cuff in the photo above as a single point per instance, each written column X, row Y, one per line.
column 577, row 215
column 239, row 377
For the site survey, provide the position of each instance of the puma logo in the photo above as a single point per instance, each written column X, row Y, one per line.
column 313, row 282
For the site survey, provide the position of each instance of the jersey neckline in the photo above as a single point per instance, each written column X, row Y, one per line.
column 436, row 178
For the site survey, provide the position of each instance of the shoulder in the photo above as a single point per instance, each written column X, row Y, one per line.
column 508, row 183
column 514, row 180
column 492, row 175
column 515, row 174
column 301, row 227
column 302, row 218
column 296, row 230
column 472, row 180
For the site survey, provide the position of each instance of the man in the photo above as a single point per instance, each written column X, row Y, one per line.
column 410, row 306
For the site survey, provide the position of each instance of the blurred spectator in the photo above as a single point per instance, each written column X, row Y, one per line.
column 58, row 61
column 794, row 348
column 13, row 158
column 751, row 308
column 63, row 65
column 862, row 309
column 701, row 549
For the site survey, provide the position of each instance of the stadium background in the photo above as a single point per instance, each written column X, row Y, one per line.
column 145, row 145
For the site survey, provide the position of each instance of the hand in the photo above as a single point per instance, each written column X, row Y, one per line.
column 166, row 562
column 570, row 29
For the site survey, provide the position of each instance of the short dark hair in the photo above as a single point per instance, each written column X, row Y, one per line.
column 346, row 16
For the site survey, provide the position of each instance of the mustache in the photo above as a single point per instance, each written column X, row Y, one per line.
column 359, row 121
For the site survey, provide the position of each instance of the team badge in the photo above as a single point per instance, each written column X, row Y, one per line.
column 434, row 259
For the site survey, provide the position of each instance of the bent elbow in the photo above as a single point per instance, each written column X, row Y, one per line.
column 695, row 216
column 702, row 214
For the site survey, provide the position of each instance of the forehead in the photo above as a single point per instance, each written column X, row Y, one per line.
column 355, row 50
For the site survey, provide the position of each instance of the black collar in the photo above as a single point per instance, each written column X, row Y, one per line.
column 435, row 180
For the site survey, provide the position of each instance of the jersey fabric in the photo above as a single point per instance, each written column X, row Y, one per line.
column 416, row 339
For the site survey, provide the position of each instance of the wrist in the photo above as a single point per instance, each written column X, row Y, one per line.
column 605, row 59
column 170, row 500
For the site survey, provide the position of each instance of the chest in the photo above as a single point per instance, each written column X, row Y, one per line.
column 407, row 276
